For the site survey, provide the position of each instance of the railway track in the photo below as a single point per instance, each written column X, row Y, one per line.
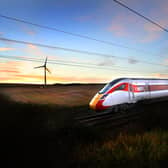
column 108, row 119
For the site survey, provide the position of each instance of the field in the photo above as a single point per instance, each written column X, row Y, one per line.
column 37, row 130
column 62, row 95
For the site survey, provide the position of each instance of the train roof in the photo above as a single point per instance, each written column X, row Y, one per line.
column 119, row 79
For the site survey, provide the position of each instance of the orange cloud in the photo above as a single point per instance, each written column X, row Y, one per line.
column 21, row 72
column 152, row 32
column 119, row 25
column 11, row 64
column 126, row 24
column 9, row 68
column 118, row 29
column 56, row 79
column 160, row 75
column 31, row 32
column 4, row 78
column 9, row 71
column 32, row 46
column 34, row 50
column 151, row 28
column 37, row 51
column 6, row 49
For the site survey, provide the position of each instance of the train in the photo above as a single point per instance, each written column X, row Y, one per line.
column 123, row 92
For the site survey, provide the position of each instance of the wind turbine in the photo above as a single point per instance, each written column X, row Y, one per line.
column 45, row 69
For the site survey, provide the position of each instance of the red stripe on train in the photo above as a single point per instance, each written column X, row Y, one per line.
column 115, row 88
column 158, row 87
column 99, row 105
column 139, row 88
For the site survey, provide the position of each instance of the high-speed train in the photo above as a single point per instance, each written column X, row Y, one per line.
column 125, row 91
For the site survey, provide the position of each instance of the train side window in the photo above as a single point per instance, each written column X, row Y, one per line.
column 121, row 87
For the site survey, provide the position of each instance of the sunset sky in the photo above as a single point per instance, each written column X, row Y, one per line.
column 140, row 49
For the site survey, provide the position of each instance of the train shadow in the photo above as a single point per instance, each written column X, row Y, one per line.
column 154, row 113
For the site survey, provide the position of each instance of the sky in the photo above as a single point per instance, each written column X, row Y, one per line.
column 135, row 48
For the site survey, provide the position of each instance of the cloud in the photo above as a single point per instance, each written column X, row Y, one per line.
column 4, row 78
column 9, row 71
column 32, row 46
column 118, row 26
column 151, row 28
column 152, row 32
column 10, row 67
column 55, row 79
column 28, row 30
column 80, row 79
column 6, row 49
column 132, row 60
column 106, row 62
column 121, row 26
column 34, row 50
column 144, row 32
column 13, row 71
column 128, row 25
column 31, row 32
column 11, row 64
column 118, row 29
column 160, row 75
column 165, row 61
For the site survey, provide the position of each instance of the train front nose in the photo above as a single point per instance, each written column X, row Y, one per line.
column 94, row 101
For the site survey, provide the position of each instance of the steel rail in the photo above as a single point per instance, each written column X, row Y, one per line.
column 107, row 118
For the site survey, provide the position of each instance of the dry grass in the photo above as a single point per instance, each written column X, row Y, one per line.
column 147, row 150
column 73, row 95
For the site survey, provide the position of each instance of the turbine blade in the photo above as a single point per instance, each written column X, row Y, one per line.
column 39, row 67
column 48, row 70
column 45, row 61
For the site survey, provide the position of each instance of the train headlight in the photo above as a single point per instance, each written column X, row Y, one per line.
column 104, row 96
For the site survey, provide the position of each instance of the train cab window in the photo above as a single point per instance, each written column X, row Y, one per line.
column 121, row 87
column 105, row 89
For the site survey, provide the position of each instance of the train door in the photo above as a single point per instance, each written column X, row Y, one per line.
column 131, row 92
column 138, row 90
column 147, row 90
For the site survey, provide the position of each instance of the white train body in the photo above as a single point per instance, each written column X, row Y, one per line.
column 129, row 90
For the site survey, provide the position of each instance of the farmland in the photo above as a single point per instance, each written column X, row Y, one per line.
column 62, row 95
column 37, row 131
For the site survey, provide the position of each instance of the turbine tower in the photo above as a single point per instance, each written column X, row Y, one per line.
column 45, row 69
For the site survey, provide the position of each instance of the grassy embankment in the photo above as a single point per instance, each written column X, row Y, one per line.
column 43, row 135
column 143, row 143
